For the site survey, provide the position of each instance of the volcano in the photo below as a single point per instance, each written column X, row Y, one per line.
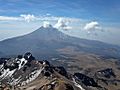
column 48, row 41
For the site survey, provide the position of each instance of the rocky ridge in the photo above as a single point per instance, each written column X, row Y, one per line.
column 26, row 73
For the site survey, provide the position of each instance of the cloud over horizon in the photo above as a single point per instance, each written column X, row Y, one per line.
column 22, row 17
column 92, row 27
column 28, row 17
column 63, row 24
column 7, row 18
column 31, row 17
column 46, row 24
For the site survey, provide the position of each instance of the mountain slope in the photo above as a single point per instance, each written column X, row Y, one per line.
column 24, row 72
column 48, row 41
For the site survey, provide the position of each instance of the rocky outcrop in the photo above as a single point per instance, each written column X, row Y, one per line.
column 88, row 81
column 106, row 73
column 19, row 72
column 26, row 73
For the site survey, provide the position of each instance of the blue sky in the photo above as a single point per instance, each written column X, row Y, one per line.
column 107, row 10
column 90, row 19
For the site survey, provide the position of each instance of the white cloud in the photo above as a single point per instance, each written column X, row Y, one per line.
column 31, row 17
column 46, row 24
column 92, row 26
column 28, row 17
column 63, row 24
column 22, row 17
column 6, row 18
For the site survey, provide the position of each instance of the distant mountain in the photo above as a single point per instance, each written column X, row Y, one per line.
column 47, row 42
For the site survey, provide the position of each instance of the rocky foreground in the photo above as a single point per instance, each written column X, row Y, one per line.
column 27, row 73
